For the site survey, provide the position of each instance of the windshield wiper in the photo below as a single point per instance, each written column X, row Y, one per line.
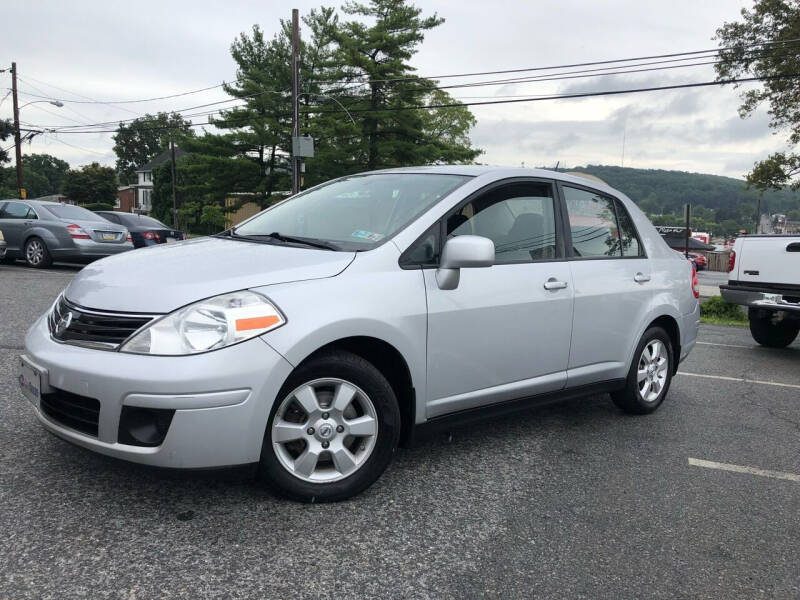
column 287, row 238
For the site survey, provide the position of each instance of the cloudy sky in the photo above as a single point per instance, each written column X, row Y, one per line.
column 107, row 50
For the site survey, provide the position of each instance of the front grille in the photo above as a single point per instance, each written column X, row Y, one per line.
column 91, row 328
column 71, row 410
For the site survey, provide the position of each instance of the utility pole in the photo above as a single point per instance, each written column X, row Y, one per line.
column 174, row 194
column 295, row 97
column 17, row 141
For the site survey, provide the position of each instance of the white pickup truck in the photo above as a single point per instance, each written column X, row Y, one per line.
column 765, row 277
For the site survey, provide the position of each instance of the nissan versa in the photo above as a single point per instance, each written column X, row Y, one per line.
column 315, row 337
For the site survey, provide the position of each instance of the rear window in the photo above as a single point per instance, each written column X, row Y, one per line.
column 141, row 221
column 68, row 211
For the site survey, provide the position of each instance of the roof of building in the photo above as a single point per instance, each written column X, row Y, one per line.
column 162, row 158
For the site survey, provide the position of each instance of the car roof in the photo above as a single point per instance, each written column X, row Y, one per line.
column 498, row 172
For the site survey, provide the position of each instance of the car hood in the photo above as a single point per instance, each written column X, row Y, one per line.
column 162, row 278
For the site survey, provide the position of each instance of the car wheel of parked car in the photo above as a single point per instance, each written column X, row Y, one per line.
column 767, row 333
column 333, row 430
column 36, row 254
column 650, row 374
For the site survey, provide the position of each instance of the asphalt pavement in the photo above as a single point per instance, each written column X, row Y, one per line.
column 571, row 501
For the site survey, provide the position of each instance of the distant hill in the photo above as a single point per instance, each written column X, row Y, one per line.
column 657, row 191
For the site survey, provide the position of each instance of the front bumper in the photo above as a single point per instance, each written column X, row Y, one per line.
column 221, row 399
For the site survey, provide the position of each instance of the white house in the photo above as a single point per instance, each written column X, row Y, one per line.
column 144, row 179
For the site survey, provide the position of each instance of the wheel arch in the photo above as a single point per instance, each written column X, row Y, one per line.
column 391, row 363
column 669, row 324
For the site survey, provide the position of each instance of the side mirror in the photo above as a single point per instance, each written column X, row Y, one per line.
column 463, row 252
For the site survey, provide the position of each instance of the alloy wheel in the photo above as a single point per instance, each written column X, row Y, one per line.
column 652, row 370
column 34, row 252
column 325, row 430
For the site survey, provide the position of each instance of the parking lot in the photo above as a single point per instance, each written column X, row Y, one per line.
column 576, row 500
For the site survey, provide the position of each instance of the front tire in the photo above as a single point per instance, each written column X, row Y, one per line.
column 37, row 256
column 332, row 431
column 769, row 334
column 649, row 376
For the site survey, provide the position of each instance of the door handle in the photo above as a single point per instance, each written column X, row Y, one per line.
column 641, row 278
column 554, row 284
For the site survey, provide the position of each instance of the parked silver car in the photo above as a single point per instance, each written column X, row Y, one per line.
column 314, row 337
column 41, row 232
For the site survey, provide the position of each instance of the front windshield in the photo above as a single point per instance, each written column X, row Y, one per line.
column 355, row 213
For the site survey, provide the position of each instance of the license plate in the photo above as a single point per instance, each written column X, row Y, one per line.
column 30, row 380
column 170, row 240
column 773, row 298
column 109, row 237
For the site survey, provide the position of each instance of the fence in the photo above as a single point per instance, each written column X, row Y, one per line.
column 717, row 261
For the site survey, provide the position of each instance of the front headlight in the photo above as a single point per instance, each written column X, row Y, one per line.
column 207, row 325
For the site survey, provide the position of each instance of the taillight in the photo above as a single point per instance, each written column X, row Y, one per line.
column 732, row 261
column 151, row 235
column 129, row 237
column 76, row 233
column 695, row 283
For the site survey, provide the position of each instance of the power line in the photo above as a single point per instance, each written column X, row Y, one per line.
column 583, row 64
column 53, row 137
column 515, row 100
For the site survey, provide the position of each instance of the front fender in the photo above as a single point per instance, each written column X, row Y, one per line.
column 387, row 305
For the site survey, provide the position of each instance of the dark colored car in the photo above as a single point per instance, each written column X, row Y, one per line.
column 145, row 231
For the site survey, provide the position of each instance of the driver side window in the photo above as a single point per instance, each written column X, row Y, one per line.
column 519, row 218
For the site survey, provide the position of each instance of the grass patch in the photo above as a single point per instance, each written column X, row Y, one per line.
column 718, row 312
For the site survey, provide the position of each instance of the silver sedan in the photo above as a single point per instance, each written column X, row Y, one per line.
column 41, row 232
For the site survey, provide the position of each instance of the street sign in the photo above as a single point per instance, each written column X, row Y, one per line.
column 303, row 146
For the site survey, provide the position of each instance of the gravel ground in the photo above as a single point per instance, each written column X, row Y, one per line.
column 571, row 501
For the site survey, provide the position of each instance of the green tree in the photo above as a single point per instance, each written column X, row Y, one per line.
column 138, row 142
column 376, row 48
column 203, row 183
column 44, row 174
column 768, row 23
column 91, row 184
column 6, row 131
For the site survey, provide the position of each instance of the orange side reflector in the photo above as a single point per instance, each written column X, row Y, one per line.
column 256, row 323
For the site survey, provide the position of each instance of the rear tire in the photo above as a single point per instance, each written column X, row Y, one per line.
column 37, row 256
column 769, row 334
column 649, row 376
column 332, row 430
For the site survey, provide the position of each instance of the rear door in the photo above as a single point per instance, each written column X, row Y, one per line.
column 15, row 219
column 611, row 275
column 501, row 334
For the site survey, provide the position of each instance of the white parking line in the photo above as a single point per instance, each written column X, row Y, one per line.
column 726, row 345
column 710, row 464
column 741, row 380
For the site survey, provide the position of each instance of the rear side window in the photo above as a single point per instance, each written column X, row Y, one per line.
column 593, row 223
column 631, row 246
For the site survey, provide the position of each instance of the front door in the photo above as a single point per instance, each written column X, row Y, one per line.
column 501, row 334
